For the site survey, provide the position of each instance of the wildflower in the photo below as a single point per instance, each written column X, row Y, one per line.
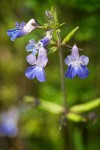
column 38, row 64
column 9, row 122
column 34, row 47
column 22, row 29
column 76, row 64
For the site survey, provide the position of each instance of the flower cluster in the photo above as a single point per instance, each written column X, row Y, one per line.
column 38, row 58
column 38, row 50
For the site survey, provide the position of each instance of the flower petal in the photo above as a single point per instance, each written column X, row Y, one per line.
column 42, row 60
column 17, row 24
column 71, row 72
column 42, row 51
column 32, row 47
column 15, row 33
column 30, row 72
column 74, row 52
column 45, row 41
column 31, row 59
column 32, row 41
column 82, row 72
column 22, row 24
column 9, row 129
column 84, row 60
column 70, row 59
column 40, row 74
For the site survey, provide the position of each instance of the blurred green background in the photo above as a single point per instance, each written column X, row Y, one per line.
column 40, row 129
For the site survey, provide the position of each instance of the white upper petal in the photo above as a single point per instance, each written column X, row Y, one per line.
column 74, row 51
column 42, row 51
column 42, row 61
column 30, row 26
column 84, row 60
column 31, row 59
column 69, row 60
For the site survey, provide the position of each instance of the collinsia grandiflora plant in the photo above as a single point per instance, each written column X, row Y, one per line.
column 38, row 56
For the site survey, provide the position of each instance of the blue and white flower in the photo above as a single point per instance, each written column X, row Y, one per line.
column 38, row 64
column 22, row 29
column 9, row 122
column 34, row 47
column 76, row 64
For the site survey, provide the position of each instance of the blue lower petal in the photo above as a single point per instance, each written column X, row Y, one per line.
column 12, row 31
column 15, row 33
column 71, row 72
column 9, row 130
column 40, row 74
column 30, row 72
column 82, row 72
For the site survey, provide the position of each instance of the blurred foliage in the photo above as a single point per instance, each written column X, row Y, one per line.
column 38, row 128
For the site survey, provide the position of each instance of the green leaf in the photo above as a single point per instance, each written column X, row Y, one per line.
column 75, row 117
column 51, row 107
column 86, row 107
column 45, row 105
column 68, row 37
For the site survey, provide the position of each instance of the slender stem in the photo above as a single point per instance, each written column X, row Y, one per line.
column 66, row 129
column 63, row 88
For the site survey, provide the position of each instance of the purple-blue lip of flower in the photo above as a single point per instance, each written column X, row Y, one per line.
column 22, row 29
column 37, row 70
column 76, row 65
column 45, row 41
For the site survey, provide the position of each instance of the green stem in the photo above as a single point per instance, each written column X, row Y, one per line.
column 65, row 130
column 62, row 71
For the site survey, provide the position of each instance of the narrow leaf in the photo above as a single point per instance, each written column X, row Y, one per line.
column 45, row 105
column 75, row 117
column 86, row 107
column 68, row 37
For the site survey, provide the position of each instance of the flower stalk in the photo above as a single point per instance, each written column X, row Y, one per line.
column 63, row 88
